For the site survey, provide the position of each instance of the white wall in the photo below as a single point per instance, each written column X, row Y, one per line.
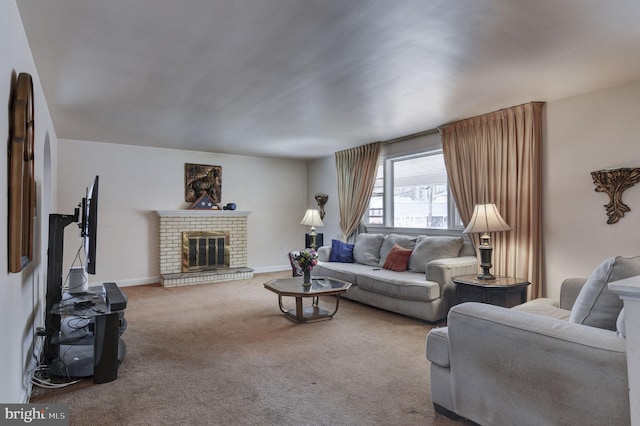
column 22, row 294
column 137, row 181
column 586, row 133
column 322, row 179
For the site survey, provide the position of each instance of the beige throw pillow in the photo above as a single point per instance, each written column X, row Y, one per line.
column 431, row 248
column 366, row 250
column 596, row 305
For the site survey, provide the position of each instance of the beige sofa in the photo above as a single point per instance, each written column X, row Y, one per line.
column 423, row 291
column 540, row 363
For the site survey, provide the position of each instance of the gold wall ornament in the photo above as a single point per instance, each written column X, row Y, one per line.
column 322, row 199
column 22, row 184
column 614, row 182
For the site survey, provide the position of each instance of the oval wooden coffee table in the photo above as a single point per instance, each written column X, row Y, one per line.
column 320, row 286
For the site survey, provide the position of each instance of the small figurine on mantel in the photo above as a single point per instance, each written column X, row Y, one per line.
column 230, row 206
column 204, row 202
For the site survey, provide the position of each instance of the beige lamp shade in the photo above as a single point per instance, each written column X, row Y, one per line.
column 312, row 218
column 486, row 218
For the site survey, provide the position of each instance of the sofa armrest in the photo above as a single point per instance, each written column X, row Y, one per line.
column 509, row 364
column 442, row 270
column 569, row 292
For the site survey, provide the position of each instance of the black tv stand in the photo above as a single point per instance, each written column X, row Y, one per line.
column 94, row 348
column 99, row 351
column 57, row 224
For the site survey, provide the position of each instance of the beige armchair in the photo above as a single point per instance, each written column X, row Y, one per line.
column 541, row 363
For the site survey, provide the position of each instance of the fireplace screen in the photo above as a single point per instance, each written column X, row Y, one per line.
column 203, row 251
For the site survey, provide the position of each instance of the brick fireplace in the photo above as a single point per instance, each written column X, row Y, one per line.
column 202, row 246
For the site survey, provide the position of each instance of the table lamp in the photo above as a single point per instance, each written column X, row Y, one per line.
column 486, row 218
column 312, row 218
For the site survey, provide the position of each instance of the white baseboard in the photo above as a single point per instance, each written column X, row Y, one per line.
column 266, row 269
column 33, row 363
column 130, row 282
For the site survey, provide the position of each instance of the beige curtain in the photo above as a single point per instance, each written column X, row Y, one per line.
column 356, row 169
column 495, row 158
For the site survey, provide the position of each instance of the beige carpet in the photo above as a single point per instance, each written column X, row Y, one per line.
column 223, row 354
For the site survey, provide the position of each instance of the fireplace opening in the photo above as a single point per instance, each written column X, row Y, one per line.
column 205, row 251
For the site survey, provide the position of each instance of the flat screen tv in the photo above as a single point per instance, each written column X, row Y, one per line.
column 89, row 225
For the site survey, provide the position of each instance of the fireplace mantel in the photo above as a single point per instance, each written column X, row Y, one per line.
column 202, row 213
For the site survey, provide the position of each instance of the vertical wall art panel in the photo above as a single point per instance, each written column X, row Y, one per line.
column 22, row 187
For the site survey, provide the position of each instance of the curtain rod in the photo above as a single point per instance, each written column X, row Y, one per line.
column 411, row 136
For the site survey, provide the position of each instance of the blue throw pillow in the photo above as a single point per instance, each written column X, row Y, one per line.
column 341, row 252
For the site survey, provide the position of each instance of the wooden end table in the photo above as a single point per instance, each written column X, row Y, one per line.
column 319, row 287
column 501, row 291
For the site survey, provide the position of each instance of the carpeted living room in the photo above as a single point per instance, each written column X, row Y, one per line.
column 223, row 353
column 319, row 212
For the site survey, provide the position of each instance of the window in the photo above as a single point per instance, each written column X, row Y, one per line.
column 411, row 191
column 375, row 214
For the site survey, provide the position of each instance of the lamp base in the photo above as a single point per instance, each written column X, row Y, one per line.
column 486, row 276
column 319, row 240
column 485, row 261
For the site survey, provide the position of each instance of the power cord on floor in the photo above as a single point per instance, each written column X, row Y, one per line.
column 40, row 377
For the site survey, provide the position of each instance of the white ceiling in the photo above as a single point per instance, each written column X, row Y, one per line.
column 306, row 78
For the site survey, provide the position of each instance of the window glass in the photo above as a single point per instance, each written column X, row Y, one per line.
column 420, row 191
column 375, row 213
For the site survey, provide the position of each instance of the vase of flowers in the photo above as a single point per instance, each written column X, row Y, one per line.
column 306, row 281
column 307, row 259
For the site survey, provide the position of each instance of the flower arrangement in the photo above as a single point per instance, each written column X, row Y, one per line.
column 307, row 259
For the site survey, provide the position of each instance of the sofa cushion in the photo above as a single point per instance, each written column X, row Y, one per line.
column 390, row 240
column 596, row 305
column 543, row 306
column 397, row 259
column 468, row 249
column 401, row 285
column 348, row 272
column 366, row 250
column 341, row 252
column 431, row 248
